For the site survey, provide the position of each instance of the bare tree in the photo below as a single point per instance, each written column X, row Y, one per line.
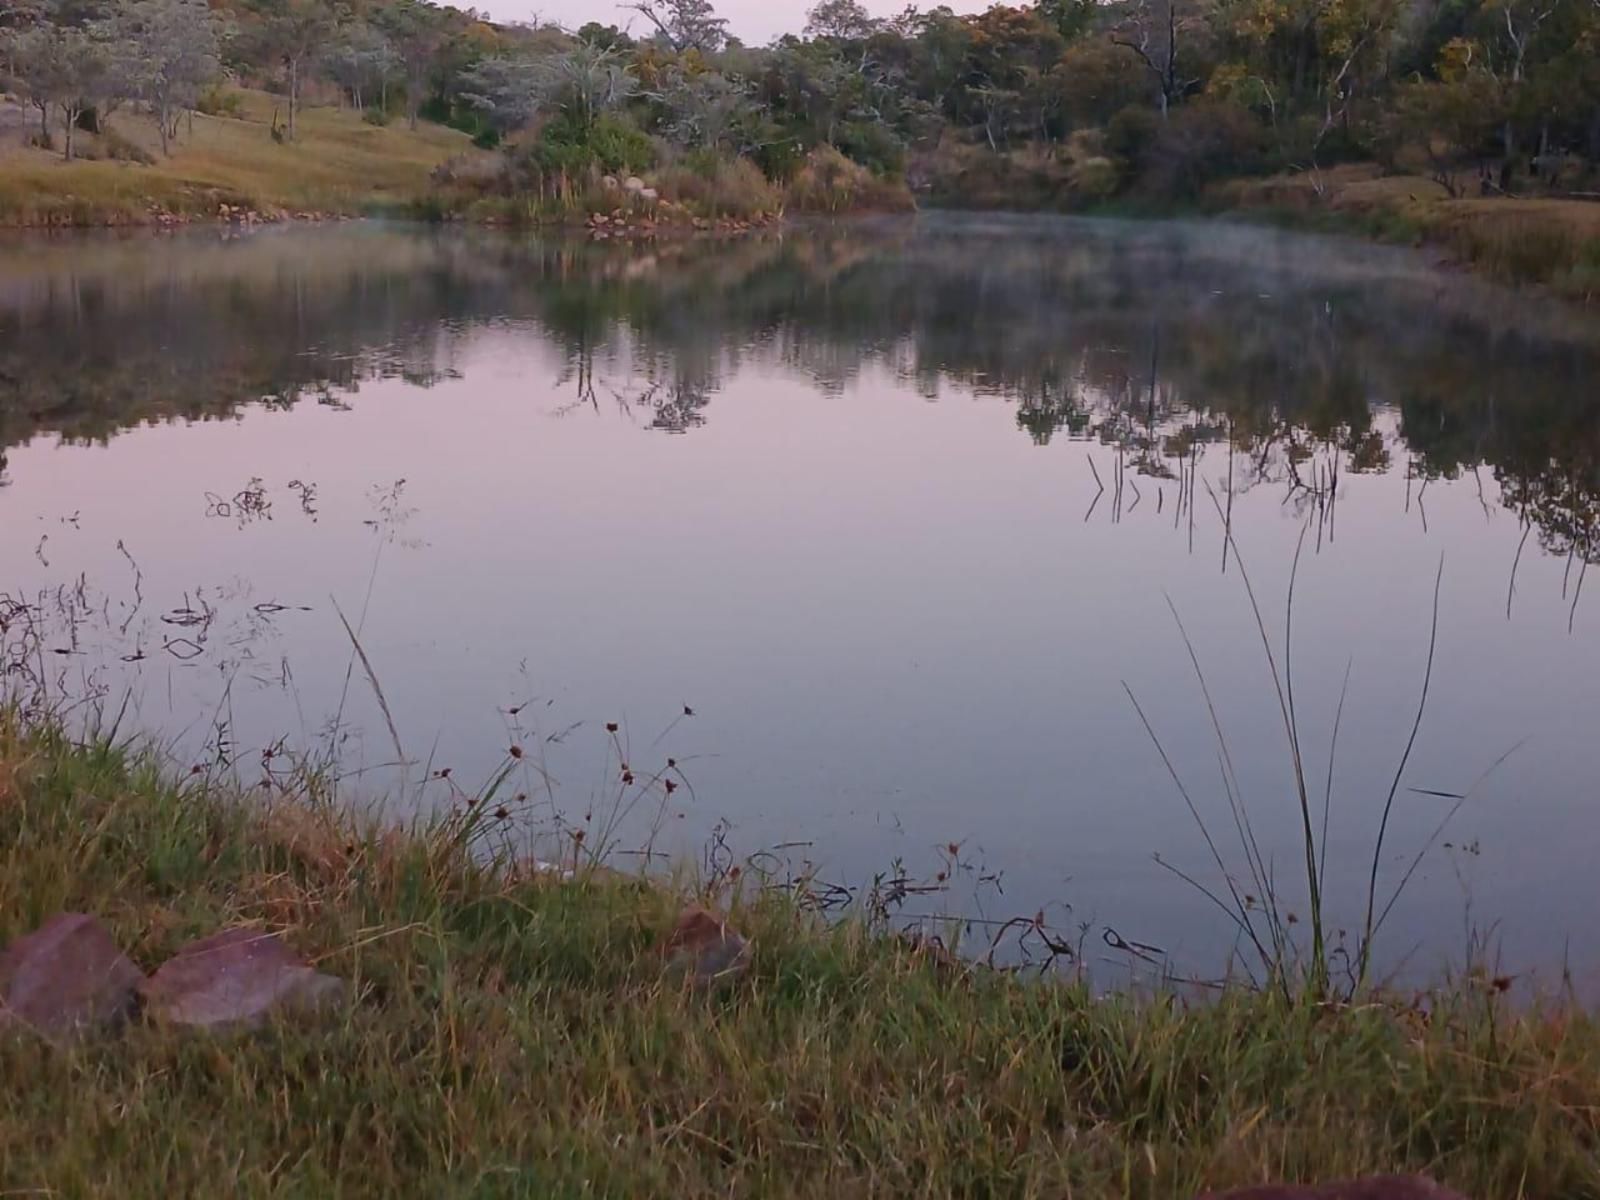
column 1154, row 31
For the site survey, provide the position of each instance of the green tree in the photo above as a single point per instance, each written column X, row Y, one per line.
column 175, row 52
column 685, row 24
column 72, row 69
column 289, row 34
column 420, row 34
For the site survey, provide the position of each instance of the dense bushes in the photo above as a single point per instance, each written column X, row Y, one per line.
column 829, row 182
column 716, row 187
column 607, row 145
column 1197, row 144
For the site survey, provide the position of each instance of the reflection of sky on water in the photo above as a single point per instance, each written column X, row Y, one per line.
column 893, row 622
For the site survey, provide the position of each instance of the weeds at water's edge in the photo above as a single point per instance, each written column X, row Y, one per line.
column 1259, row 914
column 510, row 1033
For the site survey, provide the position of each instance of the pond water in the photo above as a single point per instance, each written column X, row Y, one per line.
column 871, row 529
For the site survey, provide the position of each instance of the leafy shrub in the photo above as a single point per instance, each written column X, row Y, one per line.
column 608, row 145
column 1099, row 80
column 781, row 158
column 831, row 183
column 1130, row 131
column 436, row 109
column 1094, row 179
column 712, row 187
column 1200, row 142
column 704, row 162
column 114, row 145
column 218, row 101
column 872, row 145
column 375, row 116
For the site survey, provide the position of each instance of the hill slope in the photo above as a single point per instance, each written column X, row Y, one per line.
column 338, row 164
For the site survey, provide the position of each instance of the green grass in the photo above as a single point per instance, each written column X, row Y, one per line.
column 510, row 1035
column 339, row 164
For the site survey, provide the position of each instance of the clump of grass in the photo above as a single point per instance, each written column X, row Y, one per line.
column 1257, row 906
column 718, row 188
column 830, row 183
column 510, row 1034
column 1517, row 250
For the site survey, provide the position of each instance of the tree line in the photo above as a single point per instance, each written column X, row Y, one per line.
column 1159, row 95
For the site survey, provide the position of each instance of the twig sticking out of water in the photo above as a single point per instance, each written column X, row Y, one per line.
column 1365, row 952
column 372, row 678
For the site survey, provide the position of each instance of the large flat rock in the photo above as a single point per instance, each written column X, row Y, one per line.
column 66, row 977
column 239, row 978
column 1380, row 1187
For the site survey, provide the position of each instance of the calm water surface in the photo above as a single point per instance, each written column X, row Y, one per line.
column 896, row 510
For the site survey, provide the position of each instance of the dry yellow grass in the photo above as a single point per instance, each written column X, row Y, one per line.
column 1518, row 239
column 339, row 164
column 1361, row 187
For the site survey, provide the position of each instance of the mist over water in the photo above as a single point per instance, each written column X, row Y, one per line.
column 866, row 527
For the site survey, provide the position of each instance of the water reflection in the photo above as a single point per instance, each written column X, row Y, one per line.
column 1157, row 341
column 893, row 507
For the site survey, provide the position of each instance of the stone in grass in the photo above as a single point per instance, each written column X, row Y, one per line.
column 703, row 947
column 1382, row 1187
column 236, row 979
column 66, row 977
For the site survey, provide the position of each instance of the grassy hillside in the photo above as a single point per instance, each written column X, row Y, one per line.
column 509, row 1034
column 339, row 164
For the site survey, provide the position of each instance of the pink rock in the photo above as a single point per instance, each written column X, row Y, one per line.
column 1380, row 1187
column 236, row 978
column 66, row 976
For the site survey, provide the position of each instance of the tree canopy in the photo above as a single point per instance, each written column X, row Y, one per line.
column 1161, row 95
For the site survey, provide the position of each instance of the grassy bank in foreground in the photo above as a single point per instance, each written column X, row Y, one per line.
column 340, row 164
column 510, row 1034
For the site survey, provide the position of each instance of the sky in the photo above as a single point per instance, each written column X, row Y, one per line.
column 754, row 21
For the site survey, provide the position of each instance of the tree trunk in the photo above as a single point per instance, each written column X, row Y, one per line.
column 162, row 119
column 1302, row 58
column 70, row 116
column 294, row 94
